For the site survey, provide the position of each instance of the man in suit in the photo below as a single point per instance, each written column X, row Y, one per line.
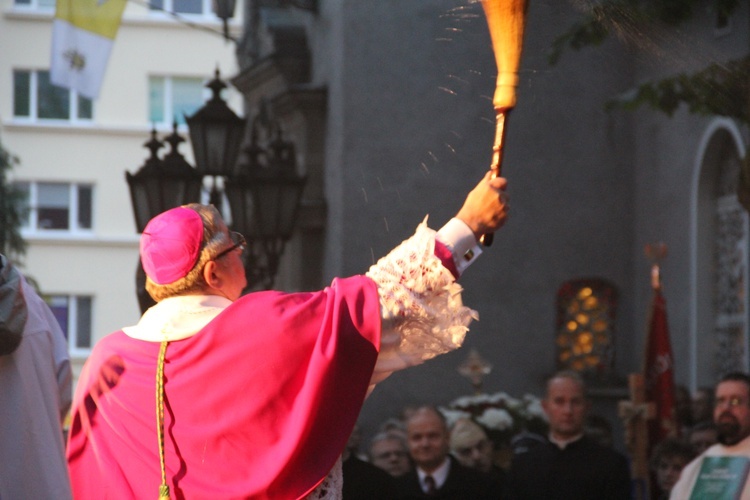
column 569, row 465
column 436, row 474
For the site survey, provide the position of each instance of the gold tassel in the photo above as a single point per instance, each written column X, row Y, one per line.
column 164, row 487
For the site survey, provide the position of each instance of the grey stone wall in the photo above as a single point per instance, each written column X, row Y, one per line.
column 408, row 131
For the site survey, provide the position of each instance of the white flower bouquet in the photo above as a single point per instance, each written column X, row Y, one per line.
column 501, row 415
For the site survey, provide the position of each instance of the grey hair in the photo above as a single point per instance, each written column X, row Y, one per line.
column 389, row 436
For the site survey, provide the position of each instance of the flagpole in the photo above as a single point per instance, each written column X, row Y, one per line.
column 658, row 366
column 655, row 253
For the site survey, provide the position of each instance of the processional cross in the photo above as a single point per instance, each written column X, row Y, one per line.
column 475, row 368
column 635, row 414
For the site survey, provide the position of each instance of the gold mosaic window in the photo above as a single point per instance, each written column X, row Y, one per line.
column 585, row 326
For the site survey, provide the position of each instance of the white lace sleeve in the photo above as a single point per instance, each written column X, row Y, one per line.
column 420, row 305
column 330, row 488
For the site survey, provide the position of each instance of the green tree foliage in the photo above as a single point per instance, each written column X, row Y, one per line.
column 623, row 17
column 719, row 89
column 11, row 242
column 722, row 88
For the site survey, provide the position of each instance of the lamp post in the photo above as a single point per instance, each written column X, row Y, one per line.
column 162, row 184
column 262, row 191
column 224, row 10
column 264, row 198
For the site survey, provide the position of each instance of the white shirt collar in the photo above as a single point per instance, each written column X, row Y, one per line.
column 177, row 318
column 439, row 475
column 562, row 443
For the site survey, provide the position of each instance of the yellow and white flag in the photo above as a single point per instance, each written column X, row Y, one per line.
column 83, row 33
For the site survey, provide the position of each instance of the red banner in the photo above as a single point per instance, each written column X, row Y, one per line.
column 659, row 373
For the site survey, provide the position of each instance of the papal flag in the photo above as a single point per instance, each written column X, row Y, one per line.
column 83, row 32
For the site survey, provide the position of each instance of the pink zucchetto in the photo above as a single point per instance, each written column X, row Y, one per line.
column 171, row 245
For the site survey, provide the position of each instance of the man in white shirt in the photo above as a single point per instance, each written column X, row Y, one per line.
column 732, row 418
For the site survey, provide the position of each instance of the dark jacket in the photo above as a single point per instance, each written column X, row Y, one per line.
column 584, row 470
column 364, row 481
column 462, row 483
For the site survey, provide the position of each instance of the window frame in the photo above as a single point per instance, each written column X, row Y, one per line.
column 33, row 229
column 168, row 105
column 71, row 329
column 34, row 5
column 167, row 9
column 33, row 90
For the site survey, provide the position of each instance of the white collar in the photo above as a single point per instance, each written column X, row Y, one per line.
column 177, row 318
column 563, row 443
column 439, row 475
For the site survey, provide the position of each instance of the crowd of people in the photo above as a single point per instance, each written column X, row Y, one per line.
column 428, row 456
column 218, row 395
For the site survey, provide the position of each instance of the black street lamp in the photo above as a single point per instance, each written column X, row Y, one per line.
column 224, row 9
column 263, row 191
column 162, row 184
column 264, row 198
column 216, row 133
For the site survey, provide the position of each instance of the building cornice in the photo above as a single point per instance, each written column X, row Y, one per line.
column 78, row 129
column 105, row 241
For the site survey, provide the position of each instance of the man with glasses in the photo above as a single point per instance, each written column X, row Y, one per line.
column 732, row 419
column 218, row 395
column 389, row 452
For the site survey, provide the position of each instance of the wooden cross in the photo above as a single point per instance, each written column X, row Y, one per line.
column 635, row 414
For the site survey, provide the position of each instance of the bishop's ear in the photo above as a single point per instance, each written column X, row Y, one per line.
column 210, row 275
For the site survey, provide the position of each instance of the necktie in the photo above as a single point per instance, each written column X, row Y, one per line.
column 429, row 485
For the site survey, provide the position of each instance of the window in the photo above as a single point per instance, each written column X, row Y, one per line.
column 73, row 312
column 730, row 262
column 35, row 4
column 35, row 98
column 585, row 326
column 199, row 7
column 170, row 98
column 52, row 206
column 719, row 337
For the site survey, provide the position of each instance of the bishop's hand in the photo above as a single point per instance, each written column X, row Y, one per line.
column 486, row 206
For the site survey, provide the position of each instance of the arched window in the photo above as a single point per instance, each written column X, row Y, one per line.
column 722, row 261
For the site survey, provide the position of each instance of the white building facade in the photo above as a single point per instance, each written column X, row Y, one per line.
column 73, row 152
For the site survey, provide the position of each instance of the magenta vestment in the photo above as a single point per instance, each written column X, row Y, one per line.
column 258, row 404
